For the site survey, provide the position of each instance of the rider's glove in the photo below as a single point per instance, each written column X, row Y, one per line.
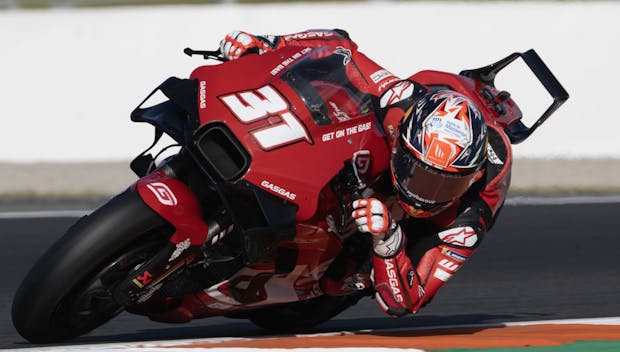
column 372, row 216
column 238, row 43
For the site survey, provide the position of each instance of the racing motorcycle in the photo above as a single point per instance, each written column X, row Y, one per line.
column 252, row 210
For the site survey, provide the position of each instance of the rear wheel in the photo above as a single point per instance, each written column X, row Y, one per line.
column 66, row 293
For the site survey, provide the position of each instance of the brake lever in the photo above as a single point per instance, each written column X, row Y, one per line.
column 206, row 54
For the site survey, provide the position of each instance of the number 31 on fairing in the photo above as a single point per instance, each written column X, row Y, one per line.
column 257, row 105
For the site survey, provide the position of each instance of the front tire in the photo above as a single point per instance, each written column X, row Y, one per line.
column 66, row 293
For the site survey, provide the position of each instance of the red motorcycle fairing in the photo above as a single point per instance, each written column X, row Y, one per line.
column 175, row 202
column 257, row 284
column 294, row 153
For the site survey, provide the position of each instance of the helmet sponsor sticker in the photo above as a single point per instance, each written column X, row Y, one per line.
column 460, row 236
column 441, row 152
column 448, row 125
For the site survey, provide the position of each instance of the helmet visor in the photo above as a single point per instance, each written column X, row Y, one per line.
column 424, row 184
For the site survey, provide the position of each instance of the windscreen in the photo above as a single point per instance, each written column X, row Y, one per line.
column 325, row 88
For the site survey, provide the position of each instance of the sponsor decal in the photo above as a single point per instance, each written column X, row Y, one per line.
column 339, row 114
column 457, row 128
column 410, row 277
column 163, row 194
column 362, row 161
column 181, row 246
column 454, row 255
column 344, row 52
column 309, row 35
column 379, row 75
column 393, row 280
column 388, row 82
column 391, row 245
column 143, row 280
column 203, row 94
column 436, row 123
column 460, row 236
column 277, row 189
column 440, row 152
column 288, row 61
column 420, row 291
column 449, row 265
column 447, row 126
column 493, row 158
column 345, row 132
column 442, row 275
column 398, row 92
column 421, row 199
column 219, row 306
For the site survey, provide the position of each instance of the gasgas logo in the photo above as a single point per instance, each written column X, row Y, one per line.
column 279, row 190
column 393, row 280
column 203, row 94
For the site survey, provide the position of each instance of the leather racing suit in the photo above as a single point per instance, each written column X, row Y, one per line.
column 424, row 253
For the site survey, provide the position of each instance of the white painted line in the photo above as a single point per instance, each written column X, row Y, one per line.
column 516, row 201
column 151, row 348
column 166, row 346
column 589, row 321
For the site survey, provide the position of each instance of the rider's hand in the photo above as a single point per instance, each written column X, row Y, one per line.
column 372, row 216
column 238, row 43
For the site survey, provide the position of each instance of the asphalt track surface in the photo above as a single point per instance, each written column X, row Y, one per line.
column 540, row 262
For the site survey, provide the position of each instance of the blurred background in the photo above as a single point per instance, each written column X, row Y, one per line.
column 71, row 71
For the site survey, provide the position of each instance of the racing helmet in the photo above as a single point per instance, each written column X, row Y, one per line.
column 439, row 152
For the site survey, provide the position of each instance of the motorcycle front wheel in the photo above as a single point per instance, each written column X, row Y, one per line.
column 66, row 293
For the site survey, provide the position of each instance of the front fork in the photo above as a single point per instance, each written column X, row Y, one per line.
column 174, row 201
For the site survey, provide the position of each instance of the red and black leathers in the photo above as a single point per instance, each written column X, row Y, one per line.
column 420, row 254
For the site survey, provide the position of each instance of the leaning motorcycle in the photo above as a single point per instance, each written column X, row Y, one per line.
column 252, row 210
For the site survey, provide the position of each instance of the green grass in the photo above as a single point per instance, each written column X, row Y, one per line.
column 581, row 346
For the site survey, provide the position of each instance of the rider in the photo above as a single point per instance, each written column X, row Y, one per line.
column 449, row 171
